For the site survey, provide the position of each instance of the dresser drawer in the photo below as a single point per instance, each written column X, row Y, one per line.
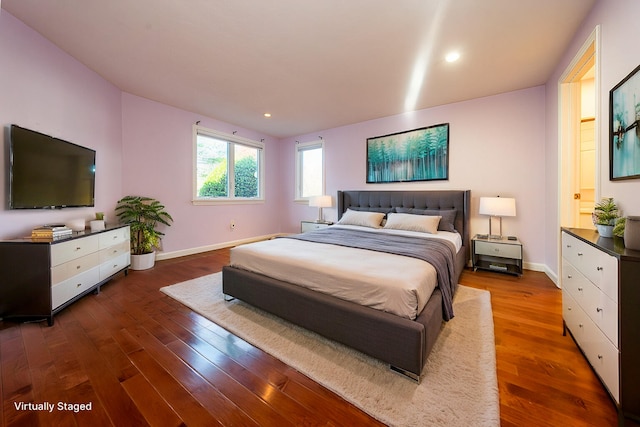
column 598, row 266
column 310, row 226
column 603, row 356
column 114, row 251
column 74, row 267
column 602, row 310
column 114, row 237
column 600, row 352
column 68, row 289
column 572, row 315
column 501, row 250
column 113, row 265
column 64, row 252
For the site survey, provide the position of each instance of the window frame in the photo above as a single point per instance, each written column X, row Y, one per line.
column 231, row 140
column 299, row 148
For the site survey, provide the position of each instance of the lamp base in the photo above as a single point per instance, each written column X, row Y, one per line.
column 495, row 236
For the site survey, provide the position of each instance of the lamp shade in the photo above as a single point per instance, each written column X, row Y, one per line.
column 323, row 201
column 497, row 206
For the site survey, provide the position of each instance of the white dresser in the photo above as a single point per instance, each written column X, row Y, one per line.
column 600, row 297
column 44, row 277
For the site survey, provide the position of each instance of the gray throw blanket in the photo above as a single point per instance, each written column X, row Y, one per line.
column 439, row 253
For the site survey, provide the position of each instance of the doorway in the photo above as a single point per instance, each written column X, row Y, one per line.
column 579, row 135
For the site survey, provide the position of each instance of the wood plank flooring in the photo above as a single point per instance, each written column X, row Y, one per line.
column 141, row 358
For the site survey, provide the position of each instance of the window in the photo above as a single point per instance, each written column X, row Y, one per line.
column 227, row 168
column 309, row 169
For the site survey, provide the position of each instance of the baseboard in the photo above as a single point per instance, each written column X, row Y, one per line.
column 553, row 276
column 192, row 251
column 533, row 266
column 544, row 269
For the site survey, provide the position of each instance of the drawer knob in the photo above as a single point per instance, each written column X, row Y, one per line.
column 579, row 253
column 600, row 357
column 580, row 325
column 599, row 268
column 569, row 276
column 568, row 246
column 569, row 308
column 598, row 309
column 78, row 267
column 580, row 289
column 78, row 285
column 78, row 248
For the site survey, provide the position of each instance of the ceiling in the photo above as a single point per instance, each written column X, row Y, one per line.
column 312, row 64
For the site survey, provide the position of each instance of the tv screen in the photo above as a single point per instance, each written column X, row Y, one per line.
column 49, row 173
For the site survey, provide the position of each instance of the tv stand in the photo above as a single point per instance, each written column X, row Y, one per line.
column 43, row 276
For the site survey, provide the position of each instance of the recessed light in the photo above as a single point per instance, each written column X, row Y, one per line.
column 267, row 115
column 452, row 57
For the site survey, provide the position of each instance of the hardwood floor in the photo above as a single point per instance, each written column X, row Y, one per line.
column 141, row 358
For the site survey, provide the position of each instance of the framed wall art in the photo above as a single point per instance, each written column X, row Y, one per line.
column 624, row 132
column 414, row 155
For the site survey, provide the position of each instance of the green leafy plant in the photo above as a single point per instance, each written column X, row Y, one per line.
column 618, row 229
column 606, row 212
column 143, row 214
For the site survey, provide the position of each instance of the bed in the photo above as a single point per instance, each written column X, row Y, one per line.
column 403, row 340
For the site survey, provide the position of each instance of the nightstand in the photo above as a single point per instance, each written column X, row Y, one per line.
column 496, row 254
column 313, row 225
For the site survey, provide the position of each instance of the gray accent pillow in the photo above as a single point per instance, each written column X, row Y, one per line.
column 446, row 222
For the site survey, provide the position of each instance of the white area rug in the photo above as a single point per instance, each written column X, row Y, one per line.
column 459, row 383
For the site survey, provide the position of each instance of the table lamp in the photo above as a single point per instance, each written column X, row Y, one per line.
column 497, row 207
column 320, row 202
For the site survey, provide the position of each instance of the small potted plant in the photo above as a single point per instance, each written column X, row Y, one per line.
column 605, row 215
column 143, row 214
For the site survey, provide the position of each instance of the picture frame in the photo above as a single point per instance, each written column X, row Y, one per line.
column 624, row 128
column 414, row 155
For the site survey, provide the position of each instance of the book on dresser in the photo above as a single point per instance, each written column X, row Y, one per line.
column 600, row 298
column 51, row 232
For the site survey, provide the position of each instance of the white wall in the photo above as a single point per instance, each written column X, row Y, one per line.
column 496, row 148
column 143, row 147
column 44, row 89
column 505, row 144
column 158, row 162
column 619, row 54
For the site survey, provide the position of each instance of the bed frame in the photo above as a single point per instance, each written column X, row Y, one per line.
column 402, row 343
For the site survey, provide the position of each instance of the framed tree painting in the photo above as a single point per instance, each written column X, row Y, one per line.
column 624, row 131
column 414, row 155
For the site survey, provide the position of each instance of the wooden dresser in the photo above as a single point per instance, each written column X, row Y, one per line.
column 601, row 308
column 40, row 277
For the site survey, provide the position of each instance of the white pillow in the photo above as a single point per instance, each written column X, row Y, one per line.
column 409, row 222
column 362, row 218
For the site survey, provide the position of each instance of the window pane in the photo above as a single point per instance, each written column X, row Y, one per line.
column 311, row 172
column 212, row 173
column 245, row 171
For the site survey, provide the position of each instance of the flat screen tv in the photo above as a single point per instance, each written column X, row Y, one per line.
column 49, row 173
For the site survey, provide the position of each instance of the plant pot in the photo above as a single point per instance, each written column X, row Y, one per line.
column 605, row 230
column 143, row 262
column 632, row 233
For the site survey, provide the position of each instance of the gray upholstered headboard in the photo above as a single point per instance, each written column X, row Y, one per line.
column 385, row 201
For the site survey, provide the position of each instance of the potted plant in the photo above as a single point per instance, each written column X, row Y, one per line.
column 143, row 214
column 605, row 215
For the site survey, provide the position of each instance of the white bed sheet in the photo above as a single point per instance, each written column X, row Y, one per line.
column 397, row 284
